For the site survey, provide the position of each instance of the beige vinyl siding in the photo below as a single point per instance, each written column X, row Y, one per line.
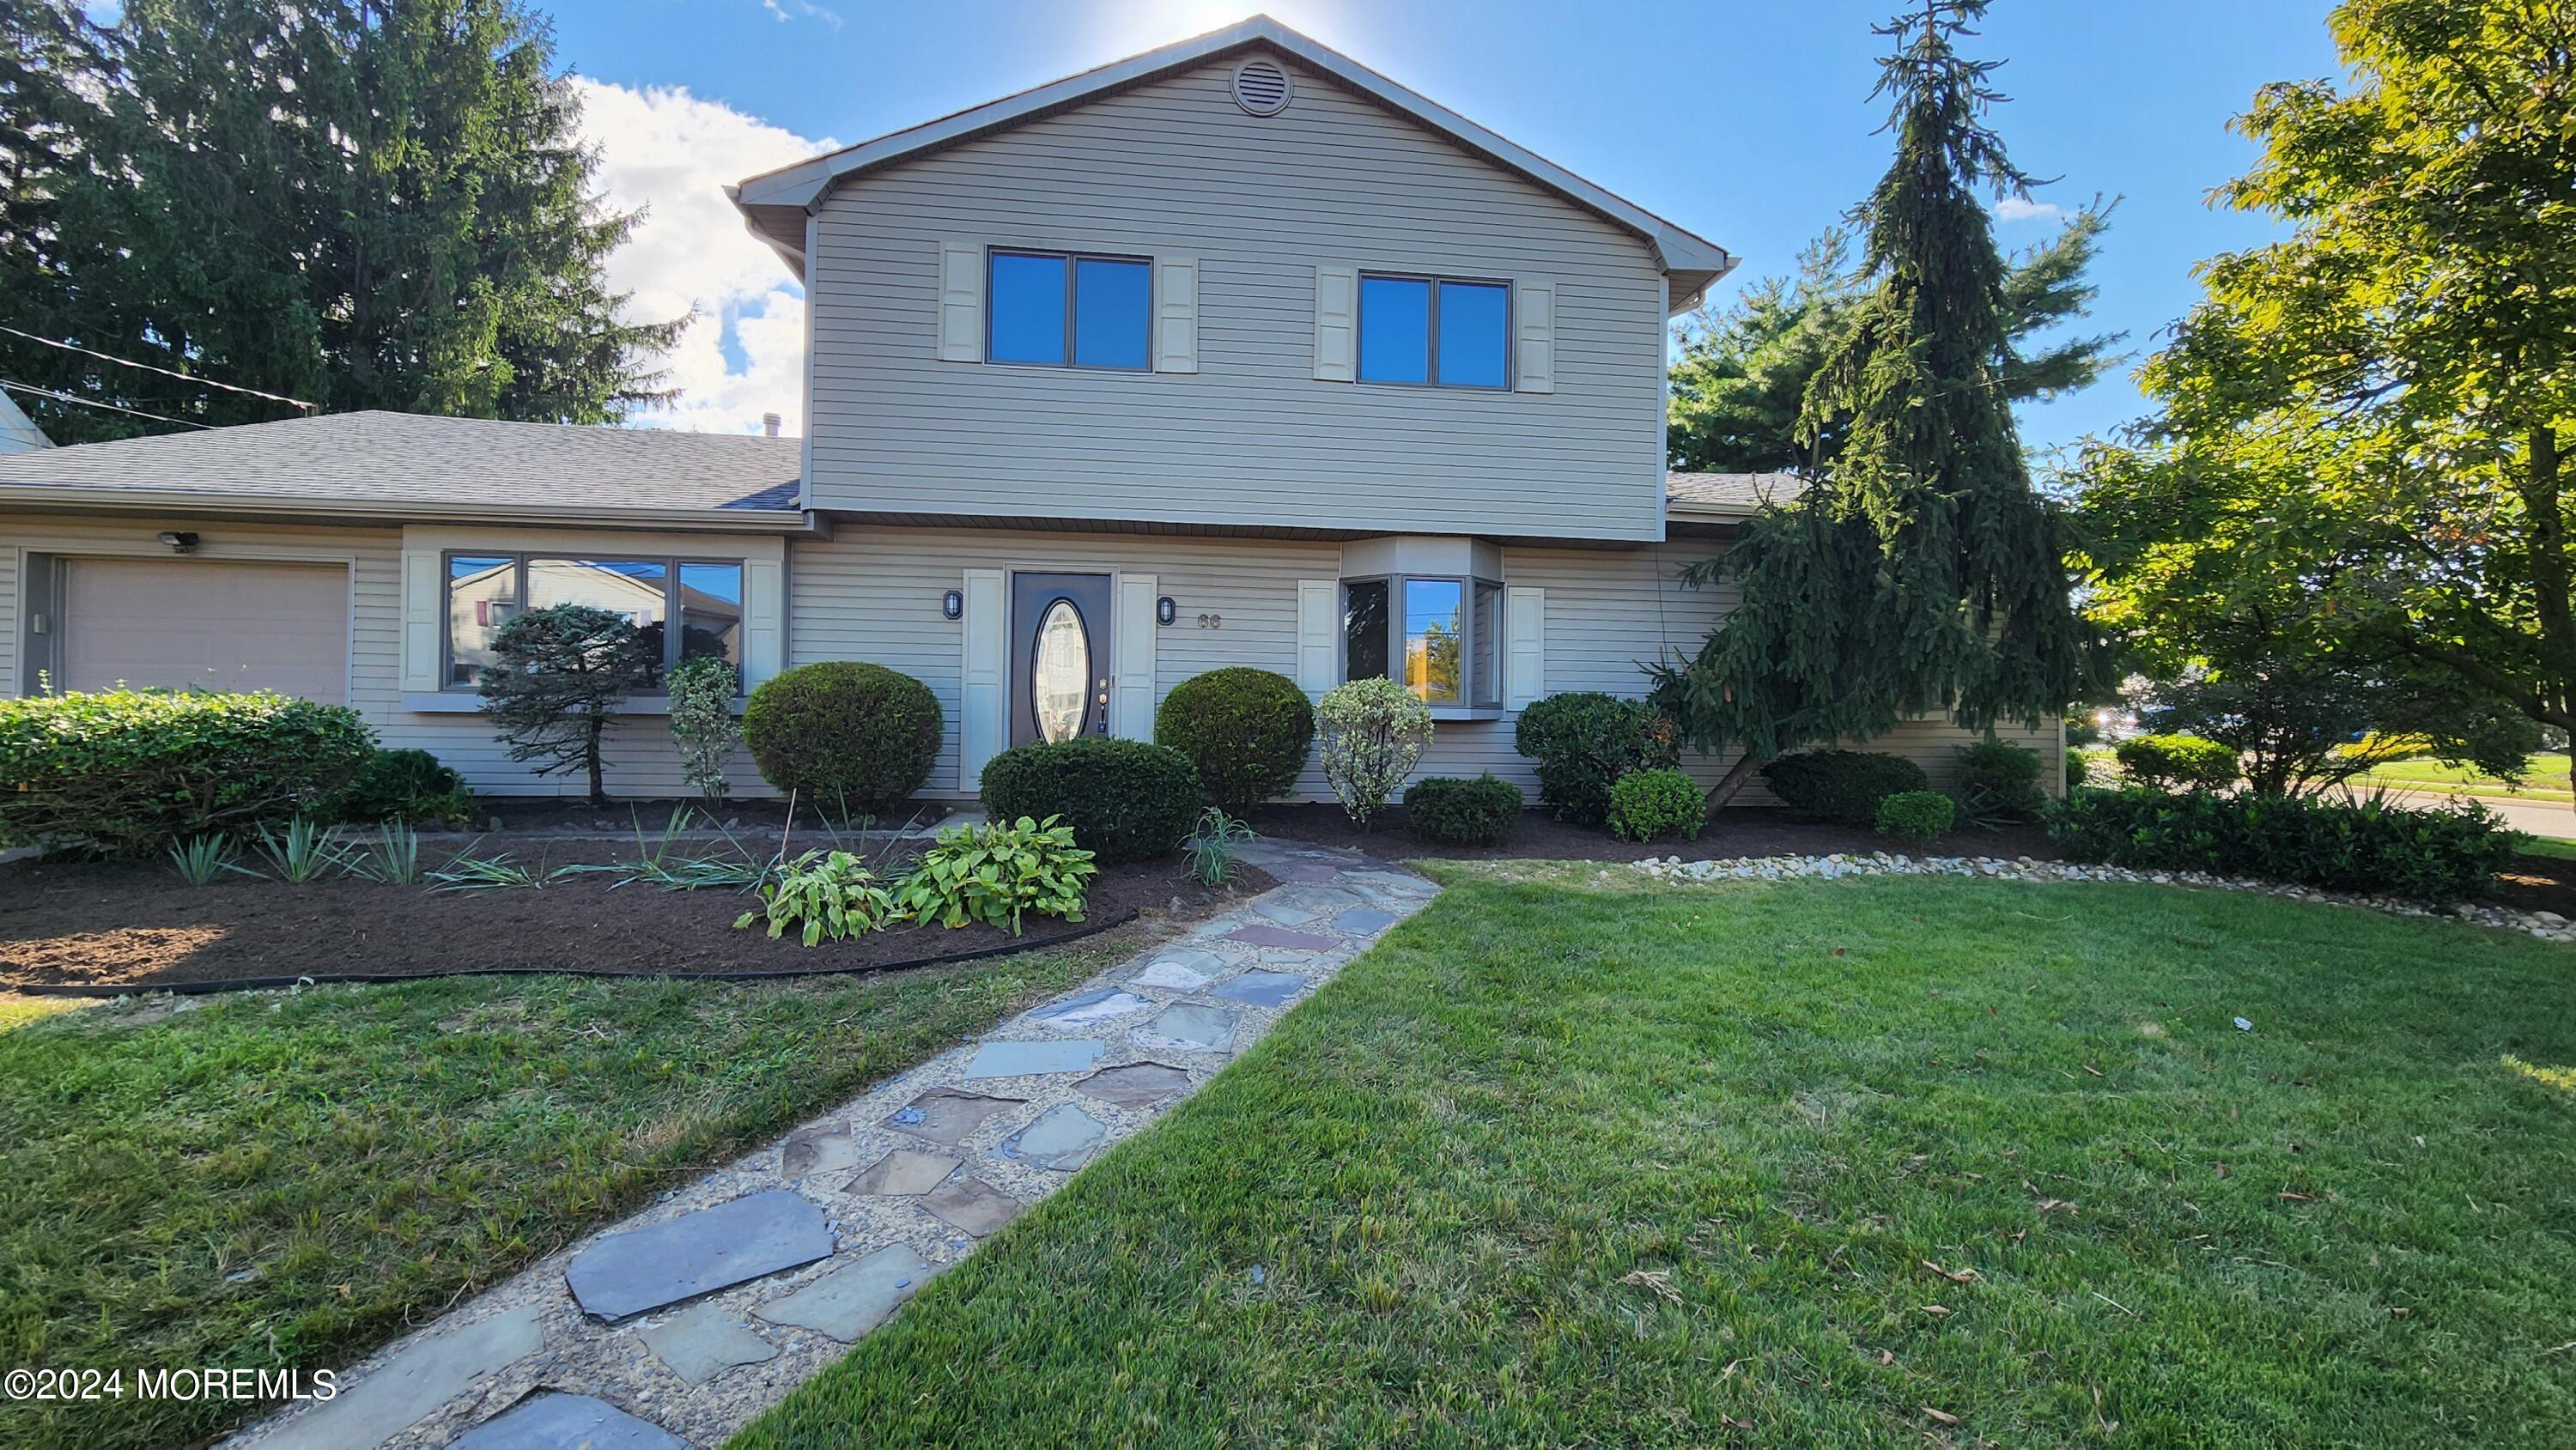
column 873, row 594
column 1252, row 438
column 641, row 760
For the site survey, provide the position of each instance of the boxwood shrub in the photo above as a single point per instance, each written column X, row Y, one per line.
column 406, row 785
column 1646, row 804
column 2177, row 762
column 2371, row 847
column 1126, row 800
column 130, row 771
column 1246, row 730
column 1919, row 816
column 1450, row 810
column 1843, row 786
column 1583, row 741
column 844, row 733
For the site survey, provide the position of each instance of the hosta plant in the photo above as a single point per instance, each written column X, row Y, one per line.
column 996, row 874
column 824, row 894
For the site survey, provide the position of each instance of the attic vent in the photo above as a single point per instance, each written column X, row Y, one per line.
column 1261, row 87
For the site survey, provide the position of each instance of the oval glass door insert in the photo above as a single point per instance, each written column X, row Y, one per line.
column 1060, row 676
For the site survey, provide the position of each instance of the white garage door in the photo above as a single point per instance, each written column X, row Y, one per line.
column 224, row 626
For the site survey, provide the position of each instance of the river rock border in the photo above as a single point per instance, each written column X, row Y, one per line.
column 2546, row 925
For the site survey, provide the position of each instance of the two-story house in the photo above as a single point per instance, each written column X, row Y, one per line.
column 1232, row 353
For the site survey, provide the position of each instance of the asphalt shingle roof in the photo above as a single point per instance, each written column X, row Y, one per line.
column 1731, row 492
column 412, row 459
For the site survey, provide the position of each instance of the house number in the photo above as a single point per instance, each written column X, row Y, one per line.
column 1211, row 621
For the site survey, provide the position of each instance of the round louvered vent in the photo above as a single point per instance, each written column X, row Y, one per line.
column 1261, row 87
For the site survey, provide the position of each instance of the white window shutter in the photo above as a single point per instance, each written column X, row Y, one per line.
column 1176, row 314
column 983, row 725
column 1525, row 645
column 961, row 302
column 1318, row 634
column 1534, row 369
column 764, row 621
column 1337, row 323
column 424, row 605
column 1131, row 708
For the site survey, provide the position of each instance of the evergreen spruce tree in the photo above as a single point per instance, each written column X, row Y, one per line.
column 361, row 203
column 1920, row 572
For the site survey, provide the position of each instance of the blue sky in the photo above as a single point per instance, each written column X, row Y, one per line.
column 1748, row 122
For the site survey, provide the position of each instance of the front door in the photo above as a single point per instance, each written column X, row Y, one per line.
column 1060, row 663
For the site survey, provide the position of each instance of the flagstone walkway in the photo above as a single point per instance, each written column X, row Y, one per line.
column 679, row 1325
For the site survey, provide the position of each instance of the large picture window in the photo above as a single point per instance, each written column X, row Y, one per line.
column 1428, row 331
column 1056, row 309
column 685, row 608
column 1440, row 637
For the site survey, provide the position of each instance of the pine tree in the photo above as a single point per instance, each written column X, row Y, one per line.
column 361, row 203
column 1920, row 572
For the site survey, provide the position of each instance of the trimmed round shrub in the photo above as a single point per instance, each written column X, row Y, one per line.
column 1126, row 800
column 1246, row 730
column 1647, row 804
column 1583, row 741
column 844, row 732
column 127, row 772
column 2079, row 766
column 1374, row 732
column 1999, row 776
column 1449, row 810
column 406, row 785
column 1919, row 816
column 1843, row 786
column 2176, row 762
column 2371, row 848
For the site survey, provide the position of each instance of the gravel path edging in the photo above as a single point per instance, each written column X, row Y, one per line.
column 2546, row 925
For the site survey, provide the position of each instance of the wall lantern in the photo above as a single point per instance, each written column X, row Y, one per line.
column 952, row 605
column 176, row 542
column 1165, row 611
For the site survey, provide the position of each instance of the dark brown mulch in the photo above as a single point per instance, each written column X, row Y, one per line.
column 507, row 815
column 2538, row 883
column 138, row 923
column 1733, row 831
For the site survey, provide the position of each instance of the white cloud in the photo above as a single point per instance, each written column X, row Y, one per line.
column 672, row 154
column 2022, row 209
column 785, row 10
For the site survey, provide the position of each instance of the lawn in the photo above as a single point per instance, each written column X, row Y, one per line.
column 1570, row 1160
column 284, row 1179
column 2544, row 778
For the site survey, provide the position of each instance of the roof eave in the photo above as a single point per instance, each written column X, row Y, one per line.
column 802, row 186
column 197, row 501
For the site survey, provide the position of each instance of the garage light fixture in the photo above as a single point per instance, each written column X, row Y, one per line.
column 178, row 542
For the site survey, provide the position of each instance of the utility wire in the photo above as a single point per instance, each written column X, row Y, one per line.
column 91, row 403
column 165, row 372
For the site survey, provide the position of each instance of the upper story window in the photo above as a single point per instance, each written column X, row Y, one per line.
column 485, row 590
column 1441, row 638
column 1057, row 309
column 1431, row 331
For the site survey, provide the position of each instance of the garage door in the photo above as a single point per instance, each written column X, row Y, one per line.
column 224, row 626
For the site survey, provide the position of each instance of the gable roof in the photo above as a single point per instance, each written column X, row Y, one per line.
column 413, row 466
column 1727, row 496
column 776, row 203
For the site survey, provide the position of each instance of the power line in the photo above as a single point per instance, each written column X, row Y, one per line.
column 89, row 403
column 165, row 372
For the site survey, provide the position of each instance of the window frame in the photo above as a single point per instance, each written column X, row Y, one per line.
column 673, row 638
column 1431, row 331
column 1473, row 664
column 1073, row 261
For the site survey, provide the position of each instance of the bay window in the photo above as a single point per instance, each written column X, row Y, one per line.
column 1440, row 637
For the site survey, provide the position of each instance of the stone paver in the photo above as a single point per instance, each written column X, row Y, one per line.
column 626, row 1274
column 716, row 1315
column 903, row 1173
column 971, row 1205
column 854, row 1298
column 567, row 1422
column 1137, row 1085
column 1024, row 1059
column 704, row 1341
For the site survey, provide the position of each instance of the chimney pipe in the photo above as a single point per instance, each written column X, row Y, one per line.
column 769, row 424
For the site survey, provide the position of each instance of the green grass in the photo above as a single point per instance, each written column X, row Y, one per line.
column 2554, row 846
column 368, row 1156
column 1567, row 1160
column 2544, row 778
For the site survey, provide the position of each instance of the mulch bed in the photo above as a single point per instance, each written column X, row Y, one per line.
column 1734, row 831
column 2538, row 883
column 138, row 924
